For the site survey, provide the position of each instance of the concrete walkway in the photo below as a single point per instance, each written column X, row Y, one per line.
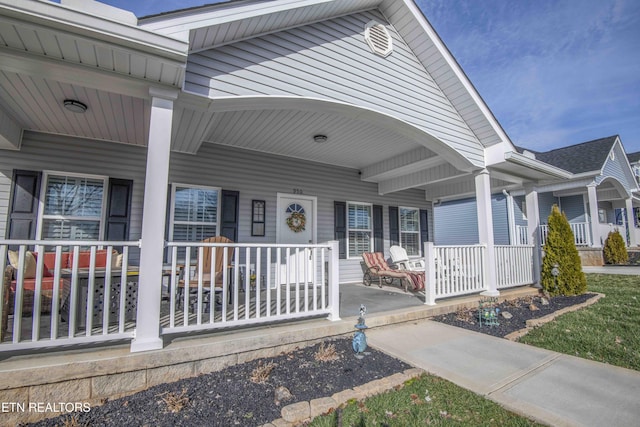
column 627, row 270
column 550, row 387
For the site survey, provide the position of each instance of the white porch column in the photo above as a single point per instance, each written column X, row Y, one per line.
column 513, row 233
column 430, row 273
column 334, row 280
column 485, row 229
column 153, row 222
column 631, row 226
column 533, row 229
column 594, row 220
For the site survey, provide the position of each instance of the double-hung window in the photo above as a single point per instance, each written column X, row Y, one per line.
column 359, row 229
column 73, row 207
column 410, row 230
column 194, row 213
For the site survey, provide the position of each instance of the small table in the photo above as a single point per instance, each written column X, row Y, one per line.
column 113, row 304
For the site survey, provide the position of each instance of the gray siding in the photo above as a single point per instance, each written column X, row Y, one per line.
column 545, row 202
column 618, row 168
column 331, row 60
column 255, row 175
column 63, row 154
column 519, row 216
column 456, row 221
column 261, row 176
column 500, row 219
column 573, row 207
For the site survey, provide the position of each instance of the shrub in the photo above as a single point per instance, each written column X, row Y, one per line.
column 615, row 251
column 560, row 251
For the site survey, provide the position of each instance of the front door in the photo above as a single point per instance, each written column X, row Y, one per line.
column 296, row 224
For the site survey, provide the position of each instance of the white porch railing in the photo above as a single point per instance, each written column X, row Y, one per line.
column 291, row 281
column 514, row 266
column 459, row 270
column 580, row 231
column 86, row 294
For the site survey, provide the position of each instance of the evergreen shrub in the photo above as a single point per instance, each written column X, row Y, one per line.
column 615, row 251
column 560, row 250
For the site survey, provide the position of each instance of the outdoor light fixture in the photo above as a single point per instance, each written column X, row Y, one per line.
column 320, row 138
column 74, row 106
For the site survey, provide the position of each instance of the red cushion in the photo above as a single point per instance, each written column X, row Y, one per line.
column 84, row 259
column 30, row 284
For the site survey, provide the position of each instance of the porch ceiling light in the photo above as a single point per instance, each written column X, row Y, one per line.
column 74, row 106
column 320, row 138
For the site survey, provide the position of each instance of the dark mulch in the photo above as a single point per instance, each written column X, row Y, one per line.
column 521, row 310
column 229, row 397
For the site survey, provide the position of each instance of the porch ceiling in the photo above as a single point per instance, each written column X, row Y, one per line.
column 70, row 54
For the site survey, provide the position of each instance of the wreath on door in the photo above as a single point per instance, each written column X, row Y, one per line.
column 296, row 220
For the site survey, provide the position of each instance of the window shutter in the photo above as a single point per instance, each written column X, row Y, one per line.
column 118, row 209
column 394, row 226
column 378, row 233
column 340, row 227
column 229, row 217
column 424, row 228
column 23, row 206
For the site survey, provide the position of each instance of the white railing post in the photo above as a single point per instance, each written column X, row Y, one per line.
column 430, row 274
column 334, row 279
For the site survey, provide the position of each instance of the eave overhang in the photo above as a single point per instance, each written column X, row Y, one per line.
column 528, row 168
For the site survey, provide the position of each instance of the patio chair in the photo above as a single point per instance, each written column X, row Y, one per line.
column 401, row 259
column 377, row 267
column 208, row 270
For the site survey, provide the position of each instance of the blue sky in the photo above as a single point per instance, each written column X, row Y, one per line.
column 553, row 72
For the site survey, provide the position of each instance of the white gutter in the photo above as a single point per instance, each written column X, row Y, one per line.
column 527, row 162
column 61, row 17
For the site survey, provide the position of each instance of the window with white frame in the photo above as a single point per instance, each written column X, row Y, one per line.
column 359, row 229
column 73, row 207
column 410, row 230
column 194, row 213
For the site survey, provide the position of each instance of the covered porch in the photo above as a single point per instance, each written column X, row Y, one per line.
column 154, row 145
column 96, row 304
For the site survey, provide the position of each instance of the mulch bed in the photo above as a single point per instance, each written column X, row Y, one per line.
column 230, row 397
column 520, row 310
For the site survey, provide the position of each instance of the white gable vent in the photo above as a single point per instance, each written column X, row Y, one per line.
column 378, row 38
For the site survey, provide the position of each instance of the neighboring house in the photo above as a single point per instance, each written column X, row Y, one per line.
column 282, row 125
column 601, row 194
column 634, row 162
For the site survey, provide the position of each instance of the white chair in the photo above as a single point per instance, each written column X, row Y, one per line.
column 400, row 258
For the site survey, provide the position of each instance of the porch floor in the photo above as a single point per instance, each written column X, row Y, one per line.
column 214, row 350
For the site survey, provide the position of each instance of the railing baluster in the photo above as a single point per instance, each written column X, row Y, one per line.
column 186, row 290
column 236, row 280
column 37, row 295
column 258, row 282
column 247, row 284
column 198, row 307
column 212, row 283
column 174, row 286
column 123, row 288
column 268, row 284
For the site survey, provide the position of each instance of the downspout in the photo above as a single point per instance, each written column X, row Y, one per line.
column 511, row 221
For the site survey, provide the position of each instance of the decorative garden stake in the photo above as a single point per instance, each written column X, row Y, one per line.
column 360, row 339
column 488, row 312
column 555, row 271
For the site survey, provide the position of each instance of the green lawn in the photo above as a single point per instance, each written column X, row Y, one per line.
column 605, row 332
column 427, row 400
